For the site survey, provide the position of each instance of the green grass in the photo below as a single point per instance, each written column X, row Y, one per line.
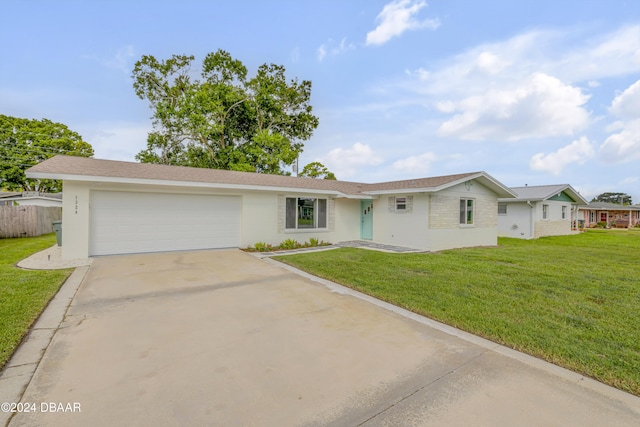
column 571, row 300
column 23, row 293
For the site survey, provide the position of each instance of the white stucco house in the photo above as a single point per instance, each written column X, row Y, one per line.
column 114, row 207
column 537, row 211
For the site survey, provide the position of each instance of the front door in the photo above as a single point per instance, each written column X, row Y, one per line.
column 603, row 217
column 366, row 219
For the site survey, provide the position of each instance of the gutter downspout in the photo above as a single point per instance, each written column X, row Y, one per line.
column 531, row 226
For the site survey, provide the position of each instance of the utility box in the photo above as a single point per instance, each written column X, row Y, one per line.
column 57, row 227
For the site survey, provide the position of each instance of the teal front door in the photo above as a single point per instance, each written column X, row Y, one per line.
column 366, row 219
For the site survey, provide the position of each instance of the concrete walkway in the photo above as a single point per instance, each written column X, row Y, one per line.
column 224, row 338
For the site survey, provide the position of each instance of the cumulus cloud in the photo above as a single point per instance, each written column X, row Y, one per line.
column 624, row 145
column 415, row 164
column 627, row 104
column 345, row 162
column 539, row 106
column 579, row 151
column 397, row 17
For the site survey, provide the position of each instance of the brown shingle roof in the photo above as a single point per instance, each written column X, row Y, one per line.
column 70, row 167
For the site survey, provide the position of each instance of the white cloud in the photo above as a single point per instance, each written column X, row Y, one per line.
column 396, row 18
column 120, row 60
column 624, row 146
column 627, row 104
column 321, row 53
column 579, row 151
column 337, row 49
column 116, row 140
column 415, row 164
column 539, row 106
column 345, row 162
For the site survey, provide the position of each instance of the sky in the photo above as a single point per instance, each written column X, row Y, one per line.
column 531, row 92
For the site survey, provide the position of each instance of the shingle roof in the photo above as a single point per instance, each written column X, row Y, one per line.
column 543, row 192
column 610, row 206
column 82, row 168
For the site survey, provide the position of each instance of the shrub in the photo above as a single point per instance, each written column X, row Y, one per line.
column 313, row 242
column 289, row 244
column 262, row 247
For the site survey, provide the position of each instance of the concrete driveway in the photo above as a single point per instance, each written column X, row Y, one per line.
column 222, row 338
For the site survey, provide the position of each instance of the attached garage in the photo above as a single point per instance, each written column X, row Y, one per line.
column 132, row 222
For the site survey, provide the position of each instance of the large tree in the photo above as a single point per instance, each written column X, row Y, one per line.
column 317, row 170
column 618, row 198
column 27, row 142
column 223, row 119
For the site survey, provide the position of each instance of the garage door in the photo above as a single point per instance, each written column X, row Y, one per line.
column 124, row 223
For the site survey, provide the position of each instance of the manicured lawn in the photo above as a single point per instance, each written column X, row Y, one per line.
column 571, row 300
column 23, row 293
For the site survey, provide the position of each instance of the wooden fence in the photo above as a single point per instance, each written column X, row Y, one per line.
column 27, row 221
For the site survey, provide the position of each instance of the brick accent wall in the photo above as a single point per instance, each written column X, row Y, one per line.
column 444, row 211
column 552, row 228
column 281, row 212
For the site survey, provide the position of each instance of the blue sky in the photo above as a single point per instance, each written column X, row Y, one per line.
column 532, row 92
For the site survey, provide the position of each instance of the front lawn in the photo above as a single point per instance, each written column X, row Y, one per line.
column 23, row 293
column 571, row 300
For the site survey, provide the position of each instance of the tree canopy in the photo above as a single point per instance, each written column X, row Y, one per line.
column 317, row 170
column 224, row 119
column 27, row 142
column 618, row 198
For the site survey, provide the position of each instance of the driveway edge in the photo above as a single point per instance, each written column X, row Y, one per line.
column 18, row 372
column 628, row 399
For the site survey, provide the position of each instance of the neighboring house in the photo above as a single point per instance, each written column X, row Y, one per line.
column 537, row 211
column 6, row 197
column 113, row 207
column 33, row 198
column 609, row 213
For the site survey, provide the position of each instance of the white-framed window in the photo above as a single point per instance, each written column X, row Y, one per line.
column 545, row 211
column 502, row 208
column 592, row 216
column 401, row 203
column 305, row 213
column 466, row 211
column 564, row 212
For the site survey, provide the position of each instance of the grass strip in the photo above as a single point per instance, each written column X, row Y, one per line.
column 23, row 293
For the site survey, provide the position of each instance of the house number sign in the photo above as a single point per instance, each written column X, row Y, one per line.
column 76, row 204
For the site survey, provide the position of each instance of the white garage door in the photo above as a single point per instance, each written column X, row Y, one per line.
column 124, row 223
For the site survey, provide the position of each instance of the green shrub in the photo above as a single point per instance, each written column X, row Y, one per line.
column 289, row 244
column 313, row 242
column 262, row 247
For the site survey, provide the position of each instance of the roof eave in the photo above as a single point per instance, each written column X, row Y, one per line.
column 173, row 183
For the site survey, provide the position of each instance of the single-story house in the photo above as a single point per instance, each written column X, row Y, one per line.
column 537, row 211
column 4, row 195
column 609, row 213
column 115, row 207
column 33, row 198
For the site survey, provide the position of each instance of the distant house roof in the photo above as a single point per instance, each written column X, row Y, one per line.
column 535, row 193
column 4, row 194
column 604, row 206
column 95, row 170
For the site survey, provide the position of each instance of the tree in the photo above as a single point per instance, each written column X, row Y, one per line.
column 224, row 120
column 25, row 142
column 317, row 170
column 617, row 198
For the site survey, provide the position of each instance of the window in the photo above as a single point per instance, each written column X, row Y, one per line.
column 502, row 208
column 466, row 211
column 592, row 216
column 305, row 212
column 564, row 212
column 545, row 211
column 401, row 203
